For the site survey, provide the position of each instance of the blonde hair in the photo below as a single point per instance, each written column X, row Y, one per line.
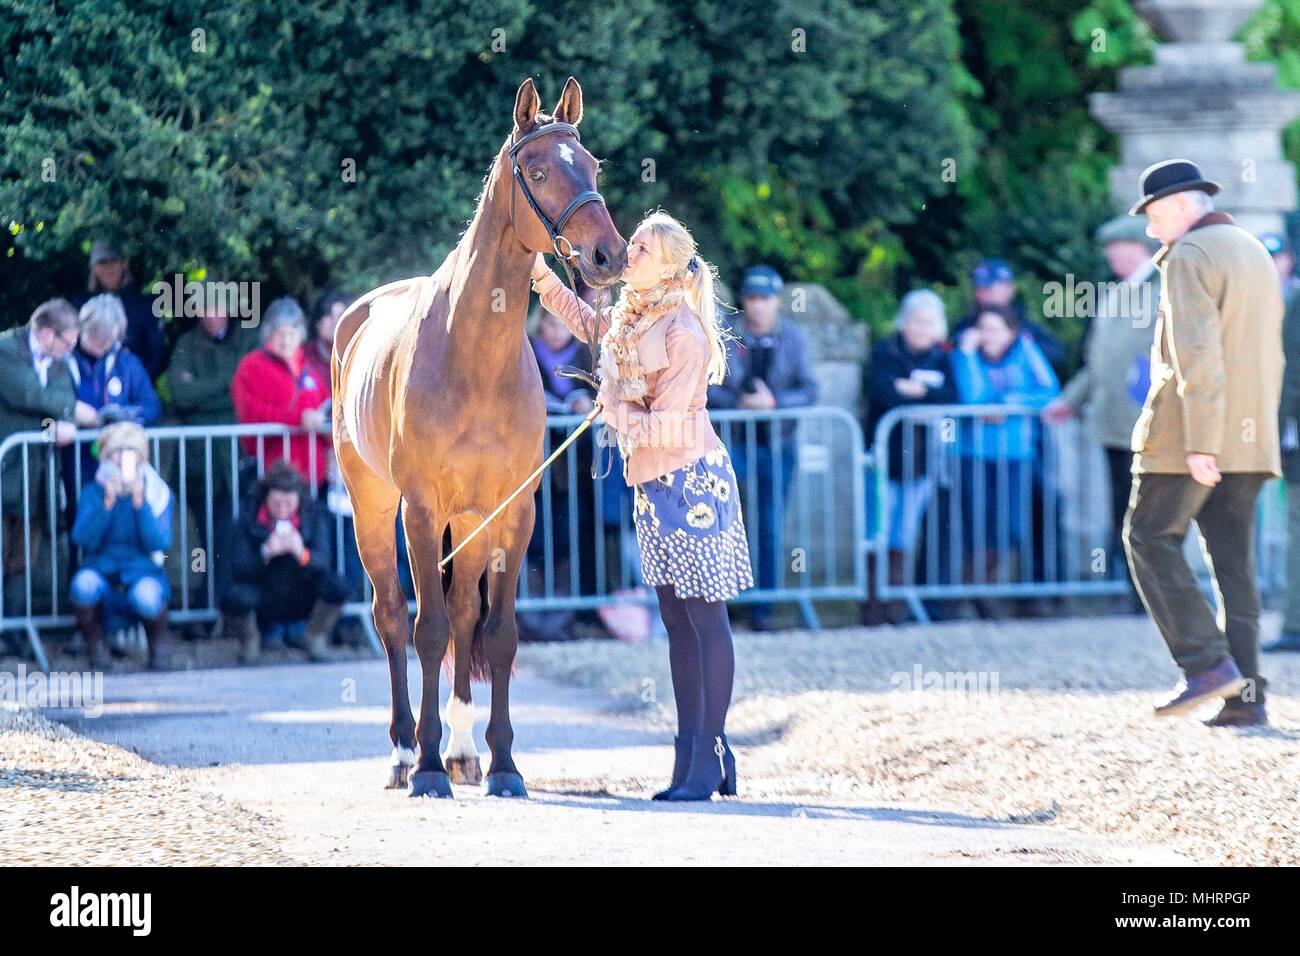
column 677, row 246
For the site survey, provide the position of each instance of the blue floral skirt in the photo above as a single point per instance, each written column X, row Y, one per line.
column 691, row 531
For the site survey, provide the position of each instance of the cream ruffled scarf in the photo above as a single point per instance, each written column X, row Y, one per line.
column 632, row 315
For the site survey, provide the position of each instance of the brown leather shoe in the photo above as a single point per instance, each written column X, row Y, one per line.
column 320, row 624
column 1238, row 713
column 244, row 628
column 160, row 643
column 91, row 626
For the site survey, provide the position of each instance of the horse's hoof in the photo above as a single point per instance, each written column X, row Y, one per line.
column 398, row 776
column 505, row 784
column 464, row 770
column 430, row 783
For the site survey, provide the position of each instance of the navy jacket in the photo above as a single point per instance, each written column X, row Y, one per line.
column 891, row 359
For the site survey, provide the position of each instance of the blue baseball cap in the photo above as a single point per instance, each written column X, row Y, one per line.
column 1275, row 242
column 989, row 272
column 761, row 280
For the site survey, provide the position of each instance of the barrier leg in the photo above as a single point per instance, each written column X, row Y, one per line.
column 38, row 649
column 809, row 614
column 917, row 607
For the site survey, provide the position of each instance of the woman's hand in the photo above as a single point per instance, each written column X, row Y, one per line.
column 137, row 491
column 910, row 388
column 970, row 341
column 111, row 481
column 540, row 268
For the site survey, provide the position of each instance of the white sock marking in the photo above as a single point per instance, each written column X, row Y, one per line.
column 460, row 718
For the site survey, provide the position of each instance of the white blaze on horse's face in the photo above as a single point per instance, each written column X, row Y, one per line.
column 566, row 153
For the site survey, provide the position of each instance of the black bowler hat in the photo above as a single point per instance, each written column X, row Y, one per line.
column 1171, row 176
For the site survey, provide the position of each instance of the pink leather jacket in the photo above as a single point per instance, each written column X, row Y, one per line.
column 672, row 429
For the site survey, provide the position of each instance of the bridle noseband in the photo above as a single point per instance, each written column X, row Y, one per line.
column 554, row 228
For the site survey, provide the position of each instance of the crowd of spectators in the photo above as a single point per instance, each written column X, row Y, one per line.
column 104, row 360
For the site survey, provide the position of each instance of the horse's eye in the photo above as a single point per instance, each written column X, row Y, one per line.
column 537, row 176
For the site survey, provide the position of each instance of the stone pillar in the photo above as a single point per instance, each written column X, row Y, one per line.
column 1202, row 101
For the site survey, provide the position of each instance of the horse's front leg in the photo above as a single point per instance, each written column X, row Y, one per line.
column 432, row 633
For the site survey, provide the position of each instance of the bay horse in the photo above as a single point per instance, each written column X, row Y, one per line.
column 439, row 407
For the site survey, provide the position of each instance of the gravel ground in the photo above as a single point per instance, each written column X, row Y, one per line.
column 66, row 800
column 1061, row 733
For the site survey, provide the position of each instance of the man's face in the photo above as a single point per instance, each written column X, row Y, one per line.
column 111, row 273
column 281, row 505
column 1125, row 256
column 760, row 312
column 327, row 323
column 215, row 322
column 55, row 344
column 999, row 293
column 1169, row 218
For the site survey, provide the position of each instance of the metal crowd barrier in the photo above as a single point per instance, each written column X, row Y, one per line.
column 980, row 522
column 794, row 468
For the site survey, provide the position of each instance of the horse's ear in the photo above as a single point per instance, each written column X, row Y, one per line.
column 527, row 102
column 569, row 109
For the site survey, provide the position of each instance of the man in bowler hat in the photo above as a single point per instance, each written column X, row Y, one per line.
column 1206, row 441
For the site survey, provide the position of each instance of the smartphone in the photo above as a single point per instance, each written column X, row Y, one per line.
column 129, row 463
column 283, row 527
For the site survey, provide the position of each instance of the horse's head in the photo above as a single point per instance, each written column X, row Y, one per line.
column 558, row 189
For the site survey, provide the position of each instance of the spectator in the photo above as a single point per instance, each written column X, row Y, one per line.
column 37, row 393
column 909, row 367
column 554, row 345
column 995, row 285
column 1108, row 391
column 768, row 368
column 1289, row 426
column 110, row 378
column 1284, row 260
column 996, row 363
column 330, row 306
column 110, row 273
column 202, row 366
column 272, row 384
column 283, row 588
column 123, row 526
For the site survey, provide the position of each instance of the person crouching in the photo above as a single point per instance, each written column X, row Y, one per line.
column 281, row 579
column 123, row 526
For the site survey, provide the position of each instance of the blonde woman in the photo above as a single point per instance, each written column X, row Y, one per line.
column 661, row 347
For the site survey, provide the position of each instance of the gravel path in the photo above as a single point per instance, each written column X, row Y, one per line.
column 1061, row 733
column 291, row 759
column 69, row 801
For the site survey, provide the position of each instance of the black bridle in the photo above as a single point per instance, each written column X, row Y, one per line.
column 555, row 230
column 554, row 227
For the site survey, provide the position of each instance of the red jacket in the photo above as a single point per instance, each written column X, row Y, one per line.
column 268, row 389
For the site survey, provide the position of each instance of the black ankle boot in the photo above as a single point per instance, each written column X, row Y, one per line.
column 681, row 763
column 707, row 771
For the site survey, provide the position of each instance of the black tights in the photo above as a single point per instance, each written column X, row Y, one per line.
column 701, row 658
